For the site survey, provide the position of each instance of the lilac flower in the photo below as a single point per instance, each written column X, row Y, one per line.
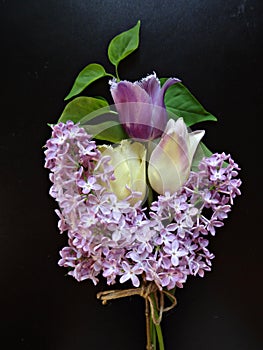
column 165, row 235
column 221, row 211
column 209, row 199
column 174, row 251
column 62, row 225
column 130, row 273
column 212, row 224
column 217, row 174
column 110, row 270
column 89, row 185
column 141, row 106
column 69, row 257
column 168, row 278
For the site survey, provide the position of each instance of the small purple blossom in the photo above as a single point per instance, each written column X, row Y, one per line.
column 89, row 185
column 173, row 250
column 131, row 273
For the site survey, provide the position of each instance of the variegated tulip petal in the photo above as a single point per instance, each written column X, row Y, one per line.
column 160, row 98
column 170, row 161
column 194, row 139
column 141, row 106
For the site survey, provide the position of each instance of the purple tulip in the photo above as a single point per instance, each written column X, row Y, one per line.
column 141, row 106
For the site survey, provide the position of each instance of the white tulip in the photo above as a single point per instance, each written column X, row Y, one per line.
column 170, row 162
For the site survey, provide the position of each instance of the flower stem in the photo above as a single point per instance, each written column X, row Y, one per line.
column 159, row 336
column 157, row 327
column 152, row 329
column 153, row 335
column 148, row 325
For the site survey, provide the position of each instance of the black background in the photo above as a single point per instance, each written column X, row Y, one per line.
column 215, row 47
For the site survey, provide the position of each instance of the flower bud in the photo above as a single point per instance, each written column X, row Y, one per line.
column 141, row 106
column 170, row 162
column 128, row 161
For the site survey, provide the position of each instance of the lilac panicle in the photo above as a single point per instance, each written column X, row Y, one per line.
column 110, row 238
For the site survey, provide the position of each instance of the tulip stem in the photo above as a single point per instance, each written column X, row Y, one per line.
column 150, row 196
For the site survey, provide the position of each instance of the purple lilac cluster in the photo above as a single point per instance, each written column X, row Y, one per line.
column 112, row 238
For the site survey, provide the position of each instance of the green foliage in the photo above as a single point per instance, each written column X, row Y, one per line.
column 88, row 75
column 83, row 108
column 123, row 44
column 181, row 103
column 178, row 100
column 111, row 131
column 201, row 152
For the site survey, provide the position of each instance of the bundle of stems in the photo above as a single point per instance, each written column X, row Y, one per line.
column 154, row 308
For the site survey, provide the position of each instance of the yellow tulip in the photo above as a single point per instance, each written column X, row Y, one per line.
column 128, row 161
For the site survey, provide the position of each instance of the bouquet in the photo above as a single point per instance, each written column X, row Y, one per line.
column 138, row 192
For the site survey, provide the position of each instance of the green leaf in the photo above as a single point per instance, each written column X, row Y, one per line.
column 83, row 107
column 201, row 152
column 124, row 44
column 111, row 131
column 106, row 111
column 88, row 75
column 181, row 103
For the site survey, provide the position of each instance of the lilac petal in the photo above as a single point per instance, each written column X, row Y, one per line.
column 175, row 245
column 125, row 278
column 165, row 281
column 174, row 260
column 135, row 280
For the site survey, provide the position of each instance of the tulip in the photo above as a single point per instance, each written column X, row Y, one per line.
column 171, row 160
column 141, row 106
column 128, row 161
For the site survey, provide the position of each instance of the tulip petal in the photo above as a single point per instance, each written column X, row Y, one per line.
column 128, row 160
column 194, row 139
column 169, row 163
column 159, row 101
column 133, row 102
column 177, row 135
column 140, row 106
column 125, row 91
column 151, row 85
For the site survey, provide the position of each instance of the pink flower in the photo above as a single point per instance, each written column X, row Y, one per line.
column 141, row 106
